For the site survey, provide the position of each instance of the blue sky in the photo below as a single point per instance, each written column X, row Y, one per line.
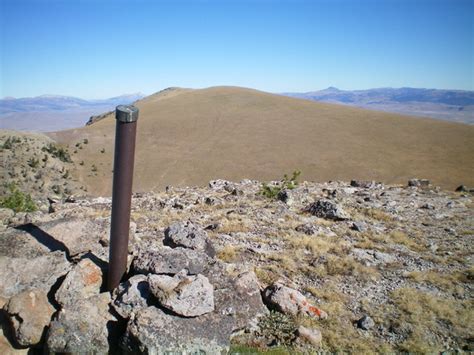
column 101, row 48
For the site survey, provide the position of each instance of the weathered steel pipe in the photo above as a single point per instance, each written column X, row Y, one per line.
column 125, row 133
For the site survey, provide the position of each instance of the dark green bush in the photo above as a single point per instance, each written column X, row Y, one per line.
column 58, row 152
column 10, row 141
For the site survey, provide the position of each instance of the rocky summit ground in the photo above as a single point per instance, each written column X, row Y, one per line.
column 360, row 267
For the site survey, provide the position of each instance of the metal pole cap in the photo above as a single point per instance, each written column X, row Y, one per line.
column 126, row 113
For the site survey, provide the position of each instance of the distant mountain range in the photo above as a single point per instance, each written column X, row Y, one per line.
column 53, row 112
column 451, row 105
column 58, row 103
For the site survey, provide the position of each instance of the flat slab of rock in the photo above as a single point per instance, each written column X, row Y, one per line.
column 29, row 313
column 188, row 296
column 168, row 260
column 188, row 235
column 22, row 273
column 82, row 327
column 289, row 301
column 83, row 281
column 73, row 236
column 237, row 303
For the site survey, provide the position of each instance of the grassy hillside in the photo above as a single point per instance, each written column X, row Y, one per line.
column 187, row 137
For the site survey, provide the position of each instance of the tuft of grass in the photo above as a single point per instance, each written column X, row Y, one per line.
column 446, row 282
column 18, row 201
column 425, row 320
column 377, row 214
column 229, row 253
column 402, row 238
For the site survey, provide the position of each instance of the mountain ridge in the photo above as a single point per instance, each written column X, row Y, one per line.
column 188, row 137
column 451, row 105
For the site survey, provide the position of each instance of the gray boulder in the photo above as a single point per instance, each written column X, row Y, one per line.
column 40, row 272
column 82, row 327
column 29, row 313
column 327, row 209
column 188, row 296
column 154, row 332
column 237, row 303
column 365, row 323
column 83, row 281
column 289, row 301
column 168, row 260
column 131, row 296
column 73, row 236
column 188, row 235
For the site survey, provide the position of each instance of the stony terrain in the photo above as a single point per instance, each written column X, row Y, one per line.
column 360, row 267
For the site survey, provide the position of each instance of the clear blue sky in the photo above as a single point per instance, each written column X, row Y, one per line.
column 98, row 49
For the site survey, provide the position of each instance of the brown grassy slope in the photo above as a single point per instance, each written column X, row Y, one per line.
column 187, row 137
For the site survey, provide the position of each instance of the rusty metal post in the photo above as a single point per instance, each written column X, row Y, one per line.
column 125, row 132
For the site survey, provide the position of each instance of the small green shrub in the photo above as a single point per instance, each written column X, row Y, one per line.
column 278, row 328
column 33, row 162
column 10, row 141
column 18, row 201
column 86, row 141
column 287, row 183
column 58, row 152
column 94, row 168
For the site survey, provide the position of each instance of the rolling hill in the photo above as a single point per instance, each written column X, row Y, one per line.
column 188, row 137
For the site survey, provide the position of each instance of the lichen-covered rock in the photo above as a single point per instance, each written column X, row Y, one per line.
column 83, row 281
column 154, row 332
column 237, row 303
column 289, row 301
column 188, row 235
column 131, row 295
column 82, row 327
column 166, row 260
column 188, row 296
column 29, row 313
column 327, row 209
column 41, row 272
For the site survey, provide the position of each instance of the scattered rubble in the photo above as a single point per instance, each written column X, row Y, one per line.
column 223, row 266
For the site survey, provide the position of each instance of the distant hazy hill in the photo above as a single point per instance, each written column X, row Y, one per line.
column 188, row 137
column 452, row 105
column 52, row 113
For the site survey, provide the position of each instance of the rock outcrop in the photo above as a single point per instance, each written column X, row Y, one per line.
column 210, row 268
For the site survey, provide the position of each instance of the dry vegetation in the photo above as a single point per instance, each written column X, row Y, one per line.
column 187, row 137
column 409, row 269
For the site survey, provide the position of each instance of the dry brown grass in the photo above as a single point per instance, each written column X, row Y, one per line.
column 425, row 319
column 402, row 238
column 193, row 136
column 229, row 253
column 338, row 330
column 447, row 282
